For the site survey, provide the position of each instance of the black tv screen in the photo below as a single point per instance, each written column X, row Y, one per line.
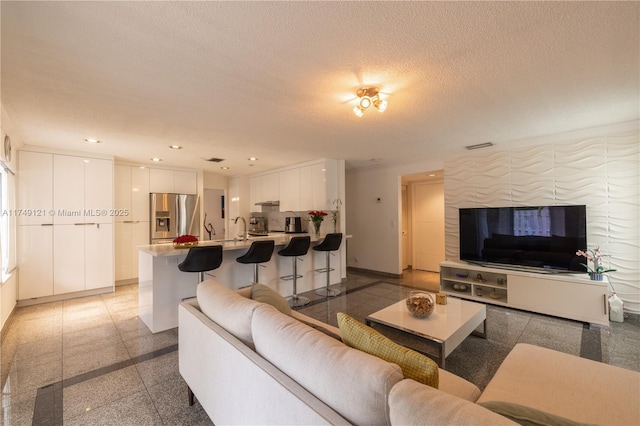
column 543, row 238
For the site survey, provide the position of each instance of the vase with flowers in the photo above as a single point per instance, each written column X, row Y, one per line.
column 594, row 263
column 335, row 214
column 316, row 217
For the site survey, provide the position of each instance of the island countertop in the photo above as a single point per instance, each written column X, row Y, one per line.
column 281, row 239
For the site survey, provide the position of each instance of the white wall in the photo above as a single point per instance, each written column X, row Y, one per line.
column 9, row 289
column 601, row 173
column 590, row 164
column 376, row 236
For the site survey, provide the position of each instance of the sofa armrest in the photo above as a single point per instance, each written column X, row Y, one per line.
column 412, row 403
column 566, row 385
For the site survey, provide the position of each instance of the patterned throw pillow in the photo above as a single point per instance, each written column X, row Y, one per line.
column 264, row 294
column 413, row 364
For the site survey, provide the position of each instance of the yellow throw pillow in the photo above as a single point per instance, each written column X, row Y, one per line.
column 413, row 364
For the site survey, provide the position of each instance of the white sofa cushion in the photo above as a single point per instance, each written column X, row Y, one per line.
column 226, row 307
column 566, row 385
column 353, row 383
column 412, row 403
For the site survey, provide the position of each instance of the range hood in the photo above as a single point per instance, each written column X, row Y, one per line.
column 268, row 203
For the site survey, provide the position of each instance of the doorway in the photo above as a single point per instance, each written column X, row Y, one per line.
column 213, row 221
column 423, row 221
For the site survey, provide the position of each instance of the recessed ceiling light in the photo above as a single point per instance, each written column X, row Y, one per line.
column 175, row 147
column 431, row 174
column 252, row 159
column 156, row 159
column 224, row 168
column 91, row 140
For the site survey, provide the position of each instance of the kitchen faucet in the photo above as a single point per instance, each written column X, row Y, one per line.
column 242, row 236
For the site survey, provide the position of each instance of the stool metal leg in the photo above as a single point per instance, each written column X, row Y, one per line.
column 255, row 273
column 328, row 291
column 296, row 301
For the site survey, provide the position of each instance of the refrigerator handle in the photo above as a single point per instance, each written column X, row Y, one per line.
column 178, row 218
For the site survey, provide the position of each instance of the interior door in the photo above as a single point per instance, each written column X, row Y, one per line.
column 428, row 225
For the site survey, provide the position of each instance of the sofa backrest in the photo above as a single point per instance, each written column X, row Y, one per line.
column 226, row 307
column 351, row 382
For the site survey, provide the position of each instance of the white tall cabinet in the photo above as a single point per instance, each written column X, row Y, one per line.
column 69, row 248
column 132, row 229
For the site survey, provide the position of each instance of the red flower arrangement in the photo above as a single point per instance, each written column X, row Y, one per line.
column 317, row 215
column 185, row 241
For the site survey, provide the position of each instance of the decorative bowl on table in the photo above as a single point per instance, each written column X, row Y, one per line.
column 185, row 241
column 420, row 304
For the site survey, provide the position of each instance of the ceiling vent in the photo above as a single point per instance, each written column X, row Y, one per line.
column 215, row 160
column 480, row 145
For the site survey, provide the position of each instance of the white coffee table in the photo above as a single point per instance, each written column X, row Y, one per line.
column 444, row 329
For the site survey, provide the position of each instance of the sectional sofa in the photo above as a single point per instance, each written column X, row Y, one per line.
column 247, row 362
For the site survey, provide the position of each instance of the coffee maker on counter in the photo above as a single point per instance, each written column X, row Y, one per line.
column 293, row 225
column 258, row 226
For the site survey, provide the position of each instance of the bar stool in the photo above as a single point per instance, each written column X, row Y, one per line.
column 202, row 259
column 330, row 243
column 298, row 246
column 259, row 252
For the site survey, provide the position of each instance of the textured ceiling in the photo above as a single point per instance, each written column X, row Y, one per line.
column 277, row 80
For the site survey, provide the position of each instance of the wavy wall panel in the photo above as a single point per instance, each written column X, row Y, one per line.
column 602, row 173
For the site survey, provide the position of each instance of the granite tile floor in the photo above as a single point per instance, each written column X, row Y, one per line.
column 92, row 361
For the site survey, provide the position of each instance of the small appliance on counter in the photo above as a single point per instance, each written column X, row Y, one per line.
column 258, row 226
column 293, row 225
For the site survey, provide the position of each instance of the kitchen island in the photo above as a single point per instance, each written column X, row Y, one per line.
column 162, row 285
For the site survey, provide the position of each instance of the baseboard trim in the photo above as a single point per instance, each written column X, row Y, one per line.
column 56, row 298
column 370, row 271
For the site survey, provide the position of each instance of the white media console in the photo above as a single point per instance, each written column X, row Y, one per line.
column 572, row 296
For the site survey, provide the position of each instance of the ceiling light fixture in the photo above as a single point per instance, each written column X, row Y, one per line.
column 156, row 159
column 252, row 159
column 175, row 147
column 369, row 96
column 91, row 140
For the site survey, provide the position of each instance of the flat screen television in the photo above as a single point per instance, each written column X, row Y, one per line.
column 542, row 238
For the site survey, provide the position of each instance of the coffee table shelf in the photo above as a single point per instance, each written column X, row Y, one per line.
column 443, row 330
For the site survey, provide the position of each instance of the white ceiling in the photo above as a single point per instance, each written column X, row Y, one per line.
column 277, row 80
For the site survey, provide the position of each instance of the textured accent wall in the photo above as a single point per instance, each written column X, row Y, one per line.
column 602, row 173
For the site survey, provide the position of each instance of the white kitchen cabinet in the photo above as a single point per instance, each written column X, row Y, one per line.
column 255, row 192
column 83, row 190
column 68, row 258
column 131, row 195
column 290, row 190
column 35, row 187
column 128, row 236
column 324, row 178
column 122, row 190
column 140, row 194
column 82, row 257
column 306, row 188
column 98, row 256
column 35, row 261
column 56, row 258
column 161, row 180
column 68, row 189
column 123, row 244
column 173, row 181
column 98, row 190
column 270, row 187
column 185, row 182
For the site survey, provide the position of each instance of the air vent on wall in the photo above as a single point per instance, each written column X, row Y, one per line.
column 480, row 145
column 215, row 160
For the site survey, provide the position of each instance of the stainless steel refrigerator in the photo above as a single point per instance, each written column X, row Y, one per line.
column 173, row 215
